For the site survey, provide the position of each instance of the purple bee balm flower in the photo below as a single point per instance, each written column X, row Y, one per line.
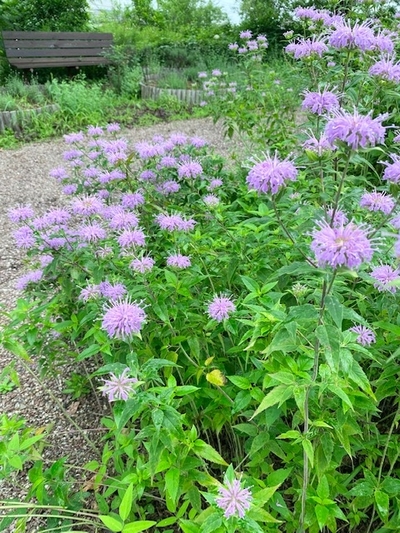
column 178, row 138
column 91, row 172
column 31, row 277
column 74, row 137
column 191, row 169
column 355, row 130
column 387, row 69
column 174, row 223
column 378, row 201
column 113, row 127
column 340, row 218
column 396, row 222
column 202, row 74
column 92, row 232
column 55, row 243
column 216, row 72
column 320, row 102
column 143, row 265
column 146, row 150
column 347, row 245
column 168, row 187
column 87, row 205
column 271, row 174
column 198, row 142
column 246, row 34
column 70, row 189
column 319, row 146
column 214, row 184
column 45, row 260
column 57, row 216
column 392, row 170
column 220, row 308
column 365, row 335
column 24, row 237
column 148, row 175
column 307, row 48
column 178, row 261
column 95, row 131
column 211, row 200
column 70, row 155
column 118, row 387
column 168, row 161
column 91, row 292
column 359, row 36
column 233, row 499
column 123, row 319
column 233, row 46
column 21, row 213
column 113, row 292
column 124, row 220
column 131, row 238
column 384, row 42
column 132, row 200
column 59, row 173
column 384, row 275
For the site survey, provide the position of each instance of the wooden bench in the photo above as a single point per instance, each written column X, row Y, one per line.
column 39, row 49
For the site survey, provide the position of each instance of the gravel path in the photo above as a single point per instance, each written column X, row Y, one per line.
column 24, row 178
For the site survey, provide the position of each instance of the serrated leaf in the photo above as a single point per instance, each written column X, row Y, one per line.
column 172, row 478
column 382, row 504
column 240, row 382
column 279, row 394
column 322, row 514
column 323, row 488
column 216, row 377
column 309, row 450
column 206, row 451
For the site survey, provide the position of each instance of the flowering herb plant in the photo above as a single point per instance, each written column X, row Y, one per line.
column 242, row 322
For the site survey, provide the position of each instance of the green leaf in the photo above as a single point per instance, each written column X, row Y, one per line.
column 279, row 394
column 261, row 497
column 240, row 382
column 308, row 448
column 114, row 524
column 291, row 434
column 137, row 527
column 206, row 451
column 335, row 310
column 342, row 395
column 322, row 514
column 250, row 284
column 188, row 526
column 382, row 504
column 211, row 523
column 172, row 478
column 323, row 488
column 126, row 503
column 88, row 352
column 17, row 349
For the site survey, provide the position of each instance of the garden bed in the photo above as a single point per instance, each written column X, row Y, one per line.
column 15, row 119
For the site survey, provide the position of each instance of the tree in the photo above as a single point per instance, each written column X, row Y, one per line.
column 44, row 15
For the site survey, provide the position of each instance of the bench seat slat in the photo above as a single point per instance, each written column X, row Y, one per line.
column 55, row 52
column 58, row 62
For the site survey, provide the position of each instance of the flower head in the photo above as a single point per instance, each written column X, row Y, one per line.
column 359, row 36
column 190, row 169
column 365, row 335
column 377, row 201
column 271, row 174
column 123, row 319
column 143, row 265
column 354, row 129
column 233, row 499
column 392, row 170
column 320, row 102
column 387, row 69
column 220, row 308
column 179, row 261
column 21, row 213
column 384, row 275
column 346, row 245
column 306, row 48
column 118, row 387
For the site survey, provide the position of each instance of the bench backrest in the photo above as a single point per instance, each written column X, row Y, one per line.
column 37, row 49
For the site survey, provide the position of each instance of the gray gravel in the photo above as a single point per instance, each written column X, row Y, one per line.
column 24, row 178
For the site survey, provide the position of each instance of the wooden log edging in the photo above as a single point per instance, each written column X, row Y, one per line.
column 190, row 96
column 14, row 120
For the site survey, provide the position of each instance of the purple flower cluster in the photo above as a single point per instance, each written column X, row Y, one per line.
column 345, row 245
column 378, row 201
column 320, row 102
column 365, row 337
column 359, row 36
column 233, row 499
column 174, row 223
column 118, row 387
column 355, row 130
column 123, row 319
column 31, row 277
column 384, row 275
column 387, row 69
column 392, row 170
column 143, row 265
column 220, row 308
column 178, row 261
column 307, row 48
column 271, row 174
